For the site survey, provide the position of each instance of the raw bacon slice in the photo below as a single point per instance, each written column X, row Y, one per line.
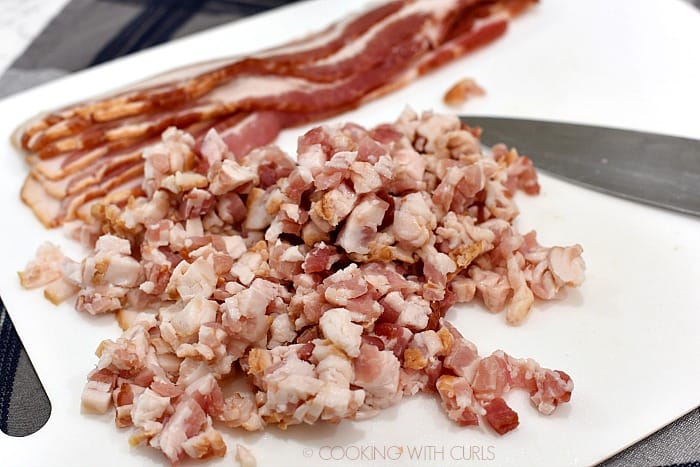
column 250, row 99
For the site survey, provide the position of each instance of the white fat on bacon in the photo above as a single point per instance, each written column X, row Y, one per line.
column 362, row 224
column 171, row 156
column 147, row 409
column 337, row 326
column 189, row 280
column 44, row 268
column 414, row 220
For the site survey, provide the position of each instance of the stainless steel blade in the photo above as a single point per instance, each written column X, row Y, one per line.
column 656, row 169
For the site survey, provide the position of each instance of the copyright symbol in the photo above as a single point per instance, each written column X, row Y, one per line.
column 307, row 452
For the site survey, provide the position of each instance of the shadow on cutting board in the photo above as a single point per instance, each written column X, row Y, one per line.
column 24, row 405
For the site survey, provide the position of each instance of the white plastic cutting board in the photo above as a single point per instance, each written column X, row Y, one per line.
column 629, row 336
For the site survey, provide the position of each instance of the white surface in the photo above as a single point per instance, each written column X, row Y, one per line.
column 20, row 22
column 628, row 337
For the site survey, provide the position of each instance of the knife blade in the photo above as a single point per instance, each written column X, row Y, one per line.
column 655, row 169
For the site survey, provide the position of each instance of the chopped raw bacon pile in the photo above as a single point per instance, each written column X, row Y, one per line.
column 93, row 149
column 325, row 281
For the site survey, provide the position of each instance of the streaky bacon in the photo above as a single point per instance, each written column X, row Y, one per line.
column 252, row 98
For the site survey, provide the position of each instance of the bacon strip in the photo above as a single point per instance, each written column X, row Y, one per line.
column 163, row 93
column 254, row 97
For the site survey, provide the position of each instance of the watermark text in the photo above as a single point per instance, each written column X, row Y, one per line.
column 402, row 452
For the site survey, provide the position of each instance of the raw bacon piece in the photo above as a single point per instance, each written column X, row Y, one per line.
column 501, row 417
column 189, row 432
column 321, row 258
column 244, row 457
column 461, row 91
column 45, row 268
column 458, row 400
column 377, row 371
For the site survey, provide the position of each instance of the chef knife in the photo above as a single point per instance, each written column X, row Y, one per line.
column 651, row 168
